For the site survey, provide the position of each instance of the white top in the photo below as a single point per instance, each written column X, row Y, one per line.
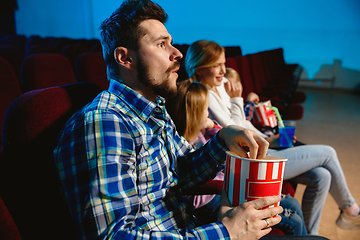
column 229, row 111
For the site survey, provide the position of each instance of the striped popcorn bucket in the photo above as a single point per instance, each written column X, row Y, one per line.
column 250, row 179
column 264, row 115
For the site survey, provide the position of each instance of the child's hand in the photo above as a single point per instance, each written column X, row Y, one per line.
column 272, row 139
column 209, row 123
column 233, row 89
column 253, row 97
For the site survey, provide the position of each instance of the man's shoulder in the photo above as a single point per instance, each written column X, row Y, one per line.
column 103, row 104
column 106, row 101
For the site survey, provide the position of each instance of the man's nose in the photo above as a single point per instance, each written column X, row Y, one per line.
column 176, row 55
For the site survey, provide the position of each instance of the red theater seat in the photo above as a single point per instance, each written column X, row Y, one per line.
column 9, row 90
column 14, row 57
column 34, row 49
column 8, row 229
column 73, row 51
column 28, row 182
column 45, row 70
column 91, row 67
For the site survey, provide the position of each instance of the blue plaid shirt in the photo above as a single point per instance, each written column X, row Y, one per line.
column 122, row 164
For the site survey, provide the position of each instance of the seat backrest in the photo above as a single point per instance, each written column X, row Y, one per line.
column 28, row 181
column 233, row 51
column 45, row 48
column 91, row 67
column 9, row 90
column 231, row 63
column 8, row 229
column 16, row 40
column 45, row 70
column 72, row 51
column 245, row 75
column 273, row 61
column 14, row 56
column 257, row 71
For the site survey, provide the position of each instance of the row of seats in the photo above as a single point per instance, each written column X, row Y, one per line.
column 267, row 74
column 14, row 48
column 33, row 109
column 29, row 186
column 48, row 70
column 27, row 45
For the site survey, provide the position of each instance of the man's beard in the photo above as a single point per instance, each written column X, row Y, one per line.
column 164, row 89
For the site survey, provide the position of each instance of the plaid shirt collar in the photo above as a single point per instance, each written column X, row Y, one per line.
column 141, row 106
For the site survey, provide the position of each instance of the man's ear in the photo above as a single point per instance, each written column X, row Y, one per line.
column 123, row 58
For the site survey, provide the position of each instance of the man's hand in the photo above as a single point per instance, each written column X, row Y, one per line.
column 249, row 220
column 237, row 139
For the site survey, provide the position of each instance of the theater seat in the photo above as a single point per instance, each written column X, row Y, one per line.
column 9, row 90
column 45, row 70
column 91, row 67
column 8, row 229
column 14, row 56
column 72, row 52
column 28, row 180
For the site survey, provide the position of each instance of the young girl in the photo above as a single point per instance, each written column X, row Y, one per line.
column 189, row 111
column 315, row 166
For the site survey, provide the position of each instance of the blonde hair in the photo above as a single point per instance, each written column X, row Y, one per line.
column 232, row 73
column 201, row 54
column 187, row 107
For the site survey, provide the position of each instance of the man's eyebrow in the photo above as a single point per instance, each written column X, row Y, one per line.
column 163, row 37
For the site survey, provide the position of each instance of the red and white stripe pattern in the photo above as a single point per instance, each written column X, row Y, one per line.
column 246, row 179
column 264, row 115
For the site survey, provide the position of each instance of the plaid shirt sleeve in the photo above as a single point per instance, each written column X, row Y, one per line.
column 106, row 185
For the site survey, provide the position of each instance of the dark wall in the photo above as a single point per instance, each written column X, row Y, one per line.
column 7, row 16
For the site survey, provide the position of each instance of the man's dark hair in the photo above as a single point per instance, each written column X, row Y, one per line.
column 121, row 29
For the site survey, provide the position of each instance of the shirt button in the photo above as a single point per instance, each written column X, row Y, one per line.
column 157, row 110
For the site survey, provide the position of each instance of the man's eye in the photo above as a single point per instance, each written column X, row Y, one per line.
column 162, row 44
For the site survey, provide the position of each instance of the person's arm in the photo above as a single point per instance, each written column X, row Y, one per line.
column 202, row 165
column 101, row 184
column 221, row 113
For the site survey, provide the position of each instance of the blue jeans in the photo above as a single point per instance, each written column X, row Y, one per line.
column 317, row 167
column 292, row 220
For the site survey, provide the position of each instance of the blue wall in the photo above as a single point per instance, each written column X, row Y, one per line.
column 312, row 32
